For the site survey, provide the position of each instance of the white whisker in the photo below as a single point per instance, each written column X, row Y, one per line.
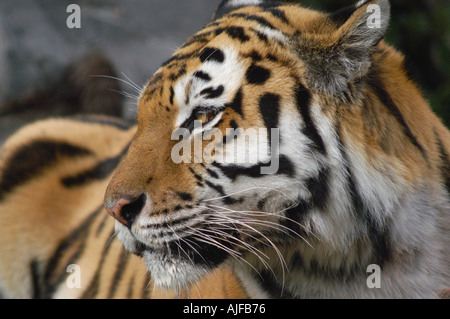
column 132, row 82
column 250, row 189
column 263, row 213
column 133, row 86
column 126, row 94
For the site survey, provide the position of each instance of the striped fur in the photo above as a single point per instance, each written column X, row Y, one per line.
column 66, row 175
column 363, row 173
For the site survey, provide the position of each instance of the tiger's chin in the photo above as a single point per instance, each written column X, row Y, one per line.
column 172, row 271
column 176, row 264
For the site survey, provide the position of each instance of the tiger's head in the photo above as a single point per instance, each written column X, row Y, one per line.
column 236, row 155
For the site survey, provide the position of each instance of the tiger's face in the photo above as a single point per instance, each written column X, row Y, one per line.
column 255, row 115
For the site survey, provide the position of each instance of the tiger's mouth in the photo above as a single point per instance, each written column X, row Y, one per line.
column 177, row 261
column 184, row 261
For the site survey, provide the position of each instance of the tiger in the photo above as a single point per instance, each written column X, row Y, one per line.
column 349, row 198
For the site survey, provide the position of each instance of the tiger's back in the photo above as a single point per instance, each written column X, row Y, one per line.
column 59, row 242
column 364, row 173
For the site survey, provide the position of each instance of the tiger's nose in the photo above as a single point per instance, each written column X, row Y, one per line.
column 125, row 210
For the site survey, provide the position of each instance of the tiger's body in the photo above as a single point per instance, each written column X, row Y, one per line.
column 75, row 168
column 363, row 174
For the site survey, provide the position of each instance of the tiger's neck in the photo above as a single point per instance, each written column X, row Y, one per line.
column 368, row 206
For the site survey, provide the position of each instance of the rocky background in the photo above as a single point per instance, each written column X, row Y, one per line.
column 41, row 59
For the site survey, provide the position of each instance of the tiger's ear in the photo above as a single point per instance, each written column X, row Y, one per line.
column 333, row 60
column 230, row 5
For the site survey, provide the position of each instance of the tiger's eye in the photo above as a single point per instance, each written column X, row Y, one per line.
column 201, row 116
column 205, row 116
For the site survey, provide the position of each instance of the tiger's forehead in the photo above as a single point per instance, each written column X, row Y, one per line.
column 220, row 53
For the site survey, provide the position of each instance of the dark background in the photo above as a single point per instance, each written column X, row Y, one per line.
column 136, row 36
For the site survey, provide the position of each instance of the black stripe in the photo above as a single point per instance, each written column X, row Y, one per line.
column 262, row 21
column 120, row 269
column 255, row 56
column 195, row 40
column 286, row 167
column 35, row 279
column 184, row 196
column 237, row 33
column 260, row 35
column 32, row 159
column 445, row 162
column 92, row 289
column 175, row 76
column 202, row 37
column 228, row 199
column 236, row 104
column 101, row 171
column 130, row 288
column 303, row 99
column 233, row 171
column 318, row 187
column 279, row 14
column 272, row 287
column 233, row 125
column 150, row 91
column 172, row 94
column 212, row 93
column 202, row 75
column 294, row 217
column 257, row 74
column 205, row 254
column 378, row 235
column 272, row 58
column 212, row 173
column 198, row 177
column 330, row 272
column 155, row 79
column 386, row 99
column 169, row 224
column 269, row 106
column 212, row 54
column 228, row 138
column 53, row 275
column 178, row 57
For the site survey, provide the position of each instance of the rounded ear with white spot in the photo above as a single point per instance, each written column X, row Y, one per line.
column 230, row 5
column 345, row 54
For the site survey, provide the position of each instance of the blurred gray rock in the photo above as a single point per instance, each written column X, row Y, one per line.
column 136, row 35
